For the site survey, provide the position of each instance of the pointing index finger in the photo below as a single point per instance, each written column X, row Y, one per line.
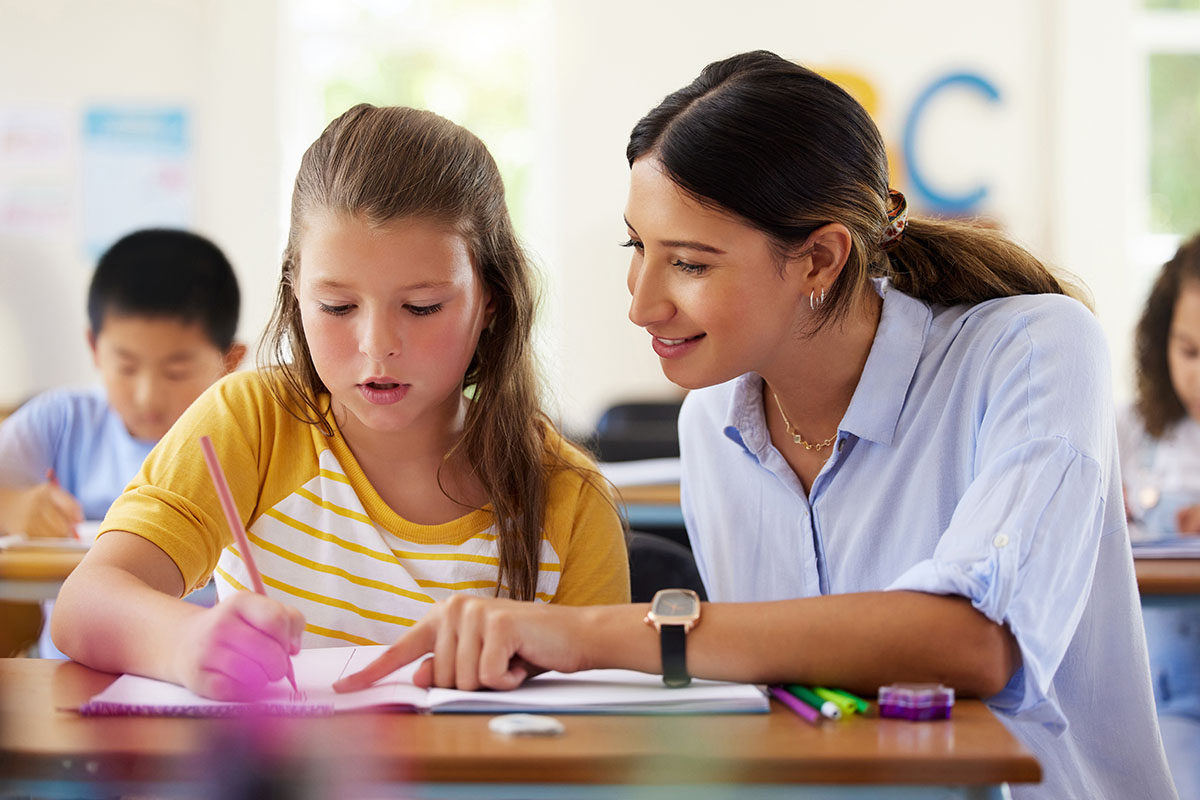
column 416, row 643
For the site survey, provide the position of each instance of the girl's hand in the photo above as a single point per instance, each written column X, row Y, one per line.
column 233, row 650
column 1188, row 520
column 483, row 642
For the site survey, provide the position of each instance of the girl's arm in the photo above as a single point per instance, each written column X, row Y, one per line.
column 856, row 641
column 119, row 611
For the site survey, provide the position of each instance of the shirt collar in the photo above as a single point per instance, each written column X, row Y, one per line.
column 874, row 410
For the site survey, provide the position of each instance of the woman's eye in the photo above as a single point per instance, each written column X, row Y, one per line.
column 694, row 269
column 336, row 311
column 634, row 243
column 424, row 311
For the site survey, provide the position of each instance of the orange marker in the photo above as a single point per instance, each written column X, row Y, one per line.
column 235, row 527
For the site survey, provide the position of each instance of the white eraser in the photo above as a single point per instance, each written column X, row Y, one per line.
column 525, row 725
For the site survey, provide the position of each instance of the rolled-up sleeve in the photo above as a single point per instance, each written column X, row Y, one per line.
column 1022, row 548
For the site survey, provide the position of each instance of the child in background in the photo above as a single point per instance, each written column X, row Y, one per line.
column 162, row 315
column 393, row 454
column 1160, row 467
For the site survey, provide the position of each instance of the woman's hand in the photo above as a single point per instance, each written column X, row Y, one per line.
column 233, row 650
column 484, row 642
column 1188, row 520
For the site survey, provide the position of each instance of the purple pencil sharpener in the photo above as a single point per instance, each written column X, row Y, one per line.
column 915, row 701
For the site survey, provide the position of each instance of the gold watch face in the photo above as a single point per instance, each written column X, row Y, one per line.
column 675, row 606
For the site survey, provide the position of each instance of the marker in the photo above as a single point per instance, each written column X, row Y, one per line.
column 800, row 707
column 235, row 527
column 828, row 710
column 862, row 705
column 847, row 705
column 52, row 479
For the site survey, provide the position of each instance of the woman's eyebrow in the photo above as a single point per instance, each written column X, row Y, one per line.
column 686, row 243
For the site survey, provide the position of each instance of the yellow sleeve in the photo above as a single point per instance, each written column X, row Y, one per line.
column 585, row 530
column 172, row 502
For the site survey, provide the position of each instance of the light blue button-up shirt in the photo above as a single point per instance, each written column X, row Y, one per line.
column 978, row 457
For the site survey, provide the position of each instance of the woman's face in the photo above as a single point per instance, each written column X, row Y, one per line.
column 707, row 287
column 1183, row 347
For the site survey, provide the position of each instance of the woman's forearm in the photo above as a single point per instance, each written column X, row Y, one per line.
column 856, row 641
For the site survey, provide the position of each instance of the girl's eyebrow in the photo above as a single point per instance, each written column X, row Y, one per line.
column 328, row 283
column 690, row 245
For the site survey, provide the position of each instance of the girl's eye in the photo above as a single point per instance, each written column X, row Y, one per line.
column 424, row 311
column 634, row 243
column 692, row 269
column 337, row 311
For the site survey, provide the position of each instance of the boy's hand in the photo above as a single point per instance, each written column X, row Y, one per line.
column 483, row 642
column 46, row 511
column 1188, row 520
column 233, row 650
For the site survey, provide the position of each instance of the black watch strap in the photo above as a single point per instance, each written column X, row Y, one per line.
column 674, row 655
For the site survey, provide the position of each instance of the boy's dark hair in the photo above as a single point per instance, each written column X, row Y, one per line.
column 167, row 273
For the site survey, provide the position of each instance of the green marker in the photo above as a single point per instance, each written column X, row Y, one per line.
column 828, row 710
column 847, row 705
column 859, row 703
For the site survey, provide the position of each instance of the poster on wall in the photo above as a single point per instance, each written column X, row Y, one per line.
column 136, row 170
column 36, row 185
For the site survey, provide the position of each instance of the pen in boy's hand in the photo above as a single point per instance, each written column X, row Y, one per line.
column 52, row 479
column 235, row 527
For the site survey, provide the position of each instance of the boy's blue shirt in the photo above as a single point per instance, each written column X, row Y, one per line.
column 75, row 431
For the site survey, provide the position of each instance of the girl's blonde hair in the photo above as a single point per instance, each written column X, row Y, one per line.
column 386, row 164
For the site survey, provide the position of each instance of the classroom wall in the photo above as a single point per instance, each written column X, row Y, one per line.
column 1044, row 149
column 216, row 59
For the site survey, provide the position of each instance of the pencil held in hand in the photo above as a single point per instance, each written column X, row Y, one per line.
column 235, row 527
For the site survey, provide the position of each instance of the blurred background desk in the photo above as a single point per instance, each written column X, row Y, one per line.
column 49, row 752
column 31, row 574
column 1168, row 581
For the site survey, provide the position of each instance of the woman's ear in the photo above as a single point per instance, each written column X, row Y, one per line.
column 826, row 253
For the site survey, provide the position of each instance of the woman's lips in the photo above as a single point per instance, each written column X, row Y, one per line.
column 674, row 348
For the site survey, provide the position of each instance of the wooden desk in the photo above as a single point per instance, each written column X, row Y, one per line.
column 1168, row 581
column 34, row 574
column 49, row 752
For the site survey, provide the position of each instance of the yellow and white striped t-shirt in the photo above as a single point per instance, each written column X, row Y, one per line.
column 324, row 540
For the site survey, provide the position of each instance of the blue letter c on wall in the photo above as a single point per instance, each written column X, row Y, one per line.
column 938, row 201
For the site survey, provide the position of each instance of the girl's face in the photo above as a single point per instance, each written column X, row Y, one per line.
column 706, row 286
column 392, row 315
column 1183, row 347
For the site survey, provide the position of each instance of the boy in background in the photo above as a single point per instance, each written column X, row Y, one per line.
column 162, row 314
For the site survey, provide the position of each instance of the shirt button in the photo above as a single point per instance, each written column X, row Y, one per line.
column 841, row 444
column 1001, row 540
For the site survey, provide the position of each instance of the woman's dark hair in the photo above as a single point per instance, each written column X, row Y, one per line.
column 1156, row 401
column 789, row 151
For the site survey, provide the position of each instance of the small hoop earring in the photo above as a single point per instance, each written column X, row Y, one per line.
column 813, row 301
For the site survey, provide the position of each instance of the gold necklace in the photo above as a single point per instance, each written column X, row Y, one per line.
column 797, row 438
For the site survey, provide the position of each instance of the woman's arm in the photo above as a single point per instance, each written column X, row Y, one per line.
column 856, row 641
column 119, row 611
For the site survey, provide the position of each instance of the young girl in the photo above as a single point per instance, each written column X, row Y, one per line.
column 394, row 455
column 1160, row 466
column 899, row 457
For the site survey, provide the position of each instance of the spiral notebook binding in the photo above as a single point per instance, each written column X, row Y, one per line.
column 98, row 709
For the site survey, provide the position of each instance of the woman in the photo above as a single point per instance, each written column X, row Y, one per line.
column 901, row 442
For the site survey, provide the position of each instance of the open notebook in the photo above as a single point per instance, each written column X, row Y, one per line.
column 591, row 692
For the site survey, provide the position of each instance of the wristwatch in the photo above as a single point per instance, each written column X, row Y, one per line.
column 674, row 612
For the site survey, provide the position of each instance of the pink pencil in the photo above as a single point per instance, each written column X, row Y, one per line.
column 235, row 527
